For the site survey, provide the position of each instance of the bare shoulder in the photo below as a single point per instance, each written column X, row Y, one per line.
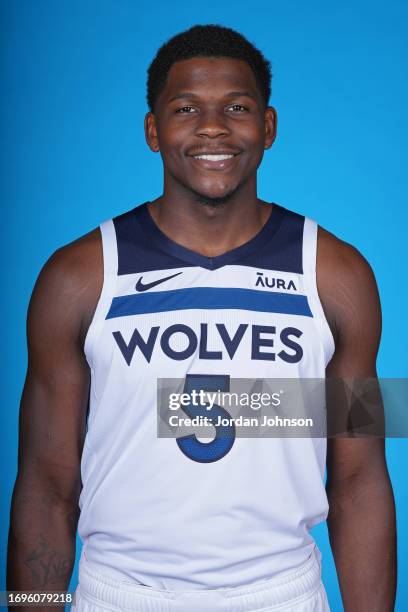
column 71, row 282
column 348, row 292
column 78, row 262
column 335, row 256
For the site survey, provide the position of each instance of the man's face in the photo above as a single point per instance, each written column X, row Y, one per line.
column 210, row 126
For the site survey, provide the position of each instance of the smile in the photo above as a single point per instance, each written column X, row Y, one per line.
column 213, row 157
column 221, row 161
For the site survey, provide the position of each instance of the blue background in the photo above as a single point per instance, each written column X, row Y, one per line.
column 73, row 152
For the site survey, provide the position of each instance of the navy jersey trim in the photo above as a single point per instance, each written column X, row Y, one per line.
column 212, row 263
column 136, row 250
column 209, row 298
column 143, row 247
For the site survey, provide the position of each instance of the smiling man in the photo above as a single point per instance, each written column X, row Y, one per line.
column 206, row 284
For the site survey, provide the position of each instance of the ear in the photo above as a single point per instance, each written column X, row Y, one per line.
column 150, row 128
column 271, row 122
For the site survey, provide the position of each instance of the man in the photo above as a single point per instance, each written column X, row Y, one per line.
column 169, row 289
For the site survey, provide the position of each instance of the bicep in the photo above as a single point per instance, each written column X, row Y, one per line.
column 353, row 306
column 355, row 310
column 55, row 394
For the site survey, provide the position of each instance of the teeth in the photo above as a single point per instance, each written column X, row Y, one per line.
column 213, row 157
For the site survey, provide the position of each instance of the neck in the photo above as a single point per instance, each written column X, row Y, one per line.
column 210, row 226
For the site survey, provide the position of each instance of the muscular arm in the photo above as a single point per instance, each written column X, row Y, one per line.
column 44, row 510
column 361, row 517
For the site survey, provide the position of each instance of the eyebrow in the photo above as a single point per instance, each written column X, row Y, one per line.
column 230, row 94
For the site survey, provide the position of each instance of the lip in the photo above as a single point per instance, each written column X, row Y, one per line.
column 207, row 164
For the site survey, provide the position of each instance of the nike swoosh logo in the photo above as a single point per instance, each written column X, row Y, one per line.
column 144, row 287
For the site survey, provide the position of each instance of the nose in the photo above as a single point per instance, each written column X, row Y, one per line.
column 212, row 124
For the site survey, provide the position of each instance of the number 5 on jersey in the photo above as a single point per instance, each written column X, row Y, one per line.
column 207, row 452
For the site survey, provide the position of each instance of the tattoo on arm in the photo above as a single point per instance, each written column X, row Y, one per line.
column 48, row 566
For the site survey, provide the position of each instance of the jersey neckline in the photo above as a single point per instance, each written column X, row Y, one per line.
column 179, row 251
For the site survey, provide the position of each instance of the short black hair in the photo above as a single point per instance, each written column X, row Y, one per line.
column 206, row 41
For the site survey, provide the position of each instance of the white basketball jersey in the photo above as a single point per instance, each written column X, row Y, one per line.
column 178, row 517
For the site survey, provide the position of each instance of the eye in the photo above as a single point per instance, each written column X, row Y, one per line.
column 238, row 108
column 186, row 109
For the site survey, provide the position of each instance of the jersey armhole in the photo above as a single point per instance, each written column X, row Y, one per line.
column 110, row 270
column 309, row 257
